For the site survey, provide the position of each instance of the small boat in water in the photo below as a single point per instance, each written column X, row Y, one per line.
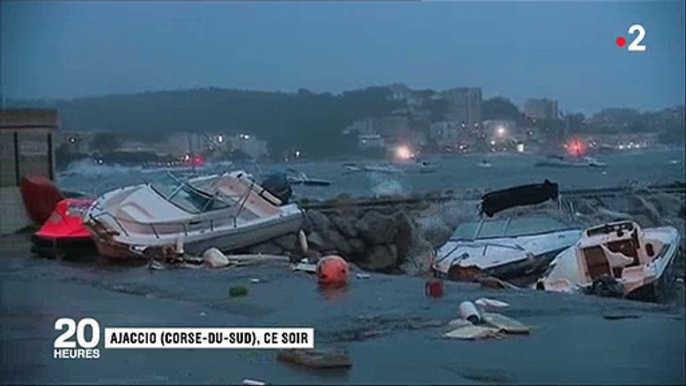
column 511, row 249
column 484, row 164
column 299, row 178
column 554, row 161
column 63, row 234
column 381, row 168
column 168, row 218
column 616, row 259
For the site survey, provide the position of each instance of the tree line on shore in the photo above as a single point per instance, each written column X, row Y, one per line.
column 312, row 123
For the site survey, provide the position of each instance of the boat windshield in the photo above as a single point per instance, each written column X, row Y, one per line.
column 512, row 227
column 187, row 197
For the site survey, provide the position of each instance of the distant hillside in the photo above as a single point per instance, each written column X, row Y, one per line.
column 310, row 122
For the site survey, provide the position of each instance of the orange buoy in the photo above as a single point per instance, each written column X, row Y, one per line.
column 332, row 270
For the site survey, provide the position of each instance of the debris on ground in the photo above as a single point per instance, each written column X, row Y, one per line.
column 238, row 291
column 469, row 312
column 505, row 324
column 304, row 266
column 433, row 288
column 316, row 359
column 472, row 332
column 485, row 302
column 252, row 382
column 458, row 323
column 214, row 258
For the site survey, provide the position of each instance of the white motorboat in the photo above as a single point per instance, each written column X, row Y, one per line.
column 227, row 212
column 618, row 259
column 512, row 248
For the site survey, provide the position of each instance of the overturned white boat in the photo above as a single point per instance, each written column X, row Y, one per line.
column 517, row 249
column 227, row 212
column 616, row 259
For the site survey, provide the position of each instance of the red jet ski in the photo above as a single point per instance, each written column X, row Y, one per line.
column 63, row 234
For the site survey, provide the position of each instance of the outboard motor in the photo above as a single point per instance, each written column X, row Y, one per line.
column 606, row 286
column 277, row 184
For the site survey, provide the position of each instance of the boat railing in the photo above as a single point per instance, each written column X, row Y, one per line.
column 184, row 225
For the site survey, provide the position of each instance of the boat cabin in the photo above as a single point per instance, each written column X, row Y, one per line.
column 615, row 249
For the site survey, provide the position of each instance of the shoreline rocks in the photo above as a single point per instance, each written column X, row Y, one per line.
column 398, row 238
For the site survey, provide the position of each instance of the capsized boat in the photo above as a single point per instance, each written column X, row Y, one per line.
column 555, row 161
column 172, row 217
column 516, row 249
column 63, row 234
column 617, row 259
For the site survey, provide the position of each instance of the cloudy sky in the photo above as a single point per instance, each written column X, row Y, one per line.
column 563, row 50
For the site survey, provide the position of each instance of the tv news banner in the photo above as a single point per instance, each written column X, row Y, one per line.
column 81, row 339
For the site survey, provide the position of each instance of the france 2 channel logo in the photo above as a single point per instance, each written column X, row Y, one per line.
column 636, row 44
column 85, row 345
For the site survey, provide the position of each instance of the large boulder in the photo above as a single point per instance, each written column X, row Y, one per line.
column 375, row 228
column 317, row 222
column 403, row 234
column 287, row 242
column 381, row 258
column 345, row 225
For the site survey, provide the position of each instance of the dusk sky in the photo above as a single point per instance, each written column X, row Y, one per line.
column 562, row 50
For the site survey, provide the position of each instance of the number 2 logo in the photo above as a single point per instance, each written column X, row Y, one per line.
column 636, row 45
column 62, row 341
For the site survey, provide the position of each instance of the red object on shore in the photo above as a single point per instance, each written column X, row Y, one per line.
column 63, row 233
column 332, row 270
column 40, row 196
column 434, row 288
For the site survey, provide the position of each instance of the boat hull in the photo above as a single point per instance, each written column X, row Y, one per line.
column 59, row 248
column 226, row 241
column 566, row 276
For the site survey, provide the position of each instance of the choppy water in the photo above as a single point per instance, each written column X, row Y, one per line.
column 457, row 173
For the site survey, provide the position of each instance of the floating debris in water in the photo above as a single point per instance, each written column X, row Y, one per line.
column 620, row 316
column 238, row 291
column 362, row 276
column 485, row 302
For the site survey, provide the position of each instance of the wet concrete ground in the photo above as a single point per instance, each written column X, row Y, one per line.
column 391, row 330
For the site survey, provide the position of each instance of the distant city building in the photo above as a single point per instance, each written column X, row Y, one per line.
column 362, row 126
column 370, row 141
column 625, row 141
column 464, row 106
column 541, row 109
column 250, row 145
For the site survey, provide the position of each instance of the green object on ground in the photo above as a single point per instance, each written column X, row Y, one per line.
column 237, row 291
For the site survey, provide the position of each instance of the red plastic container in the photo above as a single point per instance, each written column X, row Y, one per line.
column 434, row 288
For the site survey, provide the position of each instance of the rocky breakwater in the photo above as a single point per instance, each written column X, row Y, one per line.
column 393, row 238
